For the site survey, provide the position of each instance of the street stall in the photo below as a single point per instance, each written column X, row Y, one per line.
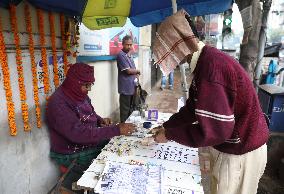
column 39, row 60
column 136, row 164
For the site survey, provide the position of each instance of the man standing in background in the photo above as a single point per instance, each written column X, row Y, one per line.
column 170, row 80
column 127, row 78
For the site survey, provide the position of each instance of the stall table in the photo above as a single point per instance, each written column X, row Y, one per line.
column 181, row 170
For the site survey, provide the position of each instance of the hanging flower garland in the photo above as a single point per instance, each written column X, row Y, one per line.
column 33, row 65
column 7, row 85
column 53, row 44
column 63, row 36
column 23, row 96
column 43, row 53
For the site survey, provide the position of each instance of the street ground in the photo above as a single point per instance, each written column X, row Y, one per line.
column 166, row 101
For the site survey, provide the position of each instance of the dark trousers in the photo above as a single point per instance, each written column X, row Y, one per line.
column 125, row 102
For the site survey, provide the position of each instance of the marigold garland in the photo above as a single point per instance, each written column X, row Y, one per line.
column 7, row 85
column 43, row 52
column 53, row 45
column 63, row 37
column 33, row 65
column 23, row 97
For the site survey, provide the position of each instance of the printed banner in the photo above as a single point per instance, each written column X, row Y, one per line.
column 93, row 43
column 106, row 42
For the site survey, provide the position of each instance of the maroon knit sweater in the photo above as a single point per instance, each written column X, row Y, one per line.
column 222, row 109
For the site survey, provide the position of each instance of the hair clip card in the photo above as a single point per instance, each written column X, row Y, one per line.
column 153, row 115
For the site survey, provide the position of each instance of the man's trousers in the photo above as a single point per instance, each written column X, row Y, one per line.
column 237, row 174
column 125, row 102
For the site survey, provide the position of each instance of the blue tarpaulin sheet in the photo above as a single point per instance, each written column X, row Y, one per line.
column 142, row 12
column 153, row 11
column 67, row 7
column 5, row 3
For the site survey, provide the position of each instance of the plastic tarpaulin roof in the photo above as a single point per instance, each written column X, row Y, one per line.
column 111, row 13
column 153, row 11
column 5, row 3
column 68, row 7
column 99, row 14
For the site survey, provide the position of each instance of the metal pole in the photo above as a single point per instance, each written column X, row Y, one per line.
column 174, row 5
column 184, row 84
column 262, row 40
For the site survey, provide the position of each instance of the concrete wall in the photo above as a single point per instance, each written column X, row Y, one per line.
column 24, row 163
column 104, row 93
column 144, row 59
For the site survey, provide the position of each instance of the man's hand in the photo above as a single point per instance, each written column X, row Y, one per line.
column 132, row 71
column 106, row 122
column 126, row 128
column 156, row 129
column 159, row 134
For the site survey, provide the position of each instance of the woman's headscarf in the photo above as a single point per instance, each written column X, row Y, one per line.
column 78, row 75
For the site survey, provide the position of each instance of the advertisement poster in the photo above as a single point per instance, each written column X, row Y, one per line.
column 93, row 43
column 106, row 42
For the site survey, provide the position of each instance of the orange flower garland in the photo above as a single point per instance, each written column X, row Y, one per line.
column 63, row 36
column 53, row 45
column 33, row 65
column 43, row 53
column 7, row 85
column 23, row 97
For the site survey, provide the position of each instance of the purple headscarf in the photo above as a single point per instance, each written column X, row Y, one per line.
column 78, row 75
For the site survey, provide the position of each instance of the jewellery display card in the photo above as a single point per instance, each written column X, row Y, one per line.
column 121, row 167
column 176, row 154
column 121, row 178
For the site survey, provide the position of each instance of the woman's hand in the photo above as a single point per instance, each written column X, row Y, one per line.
column 106, row 122
column 126, row 128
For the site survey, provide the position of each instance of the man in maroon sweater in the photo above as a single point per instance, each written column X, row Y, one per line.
column 222, row 112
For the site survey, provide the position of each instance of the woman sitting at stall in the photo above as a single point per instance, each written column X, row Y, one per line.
column 76, row 131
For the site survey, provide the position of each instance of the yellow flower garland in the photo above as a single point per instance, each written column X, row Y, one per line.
column 63, row 37
column 7, row 85
column 43, row 53
column 33, row 65
column 23, row 97
column 53, row 44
